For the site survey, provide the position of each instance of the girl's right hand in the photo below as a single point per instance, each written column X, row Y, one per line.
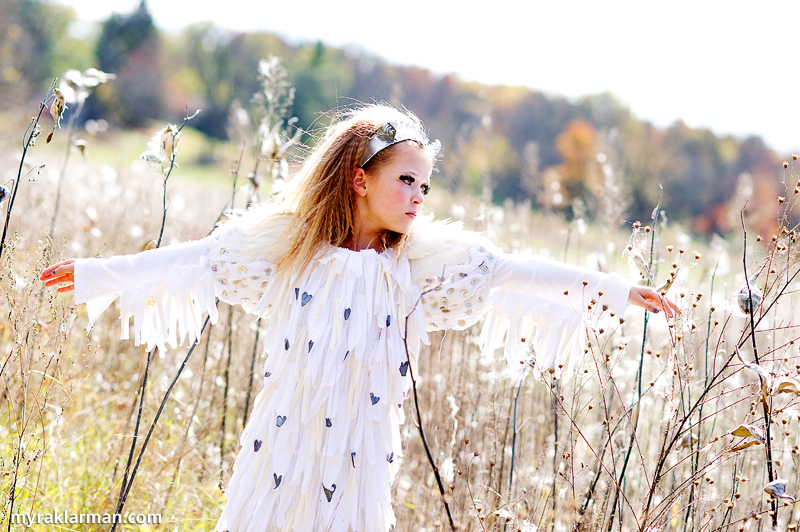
column 59, row 273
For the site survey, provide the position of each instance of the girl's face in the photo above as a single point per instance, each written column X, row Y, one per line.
column 390, row 198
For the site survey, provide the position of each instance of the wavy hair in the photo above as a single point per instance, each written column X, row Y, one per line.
column 320, row 198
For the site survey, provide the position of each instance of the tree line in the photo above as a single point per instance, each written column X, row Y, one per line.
column 588, row 157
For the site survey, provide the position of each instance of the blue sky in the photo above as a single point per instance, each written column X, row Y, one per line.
column 730, row 66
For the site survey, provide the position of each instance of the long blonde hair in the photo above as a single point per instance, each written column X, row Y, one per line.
column 320, row 199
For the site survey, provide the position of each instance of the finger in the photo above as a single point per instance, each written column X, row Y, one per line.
column 67, row 278
column 55, row 273
column 68, row 288
column 56, row 268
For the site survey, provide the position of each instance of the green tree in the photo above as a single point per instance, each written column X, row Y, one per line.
column 129, row 46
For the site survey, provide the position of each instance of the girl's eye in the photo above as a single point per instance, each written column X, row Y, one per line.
column 408, row 180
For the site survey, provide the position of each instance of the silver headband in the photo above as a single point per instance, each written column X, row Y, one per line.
column 393, row 132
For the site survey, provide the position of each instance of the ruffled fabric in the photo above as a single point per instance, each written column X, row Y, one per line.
column 540, row 311
column 322, row 445
column 166, row 291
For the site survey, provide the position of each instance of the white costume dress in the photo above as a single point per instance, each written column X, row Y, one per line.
column 322, row 445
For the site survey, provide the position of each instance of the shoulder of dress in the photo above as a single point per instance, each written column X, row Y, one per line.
column 435, row 243
column 260, row 235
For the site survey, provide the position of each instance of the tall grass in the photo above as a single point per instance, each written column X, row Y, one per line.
column 657, row 398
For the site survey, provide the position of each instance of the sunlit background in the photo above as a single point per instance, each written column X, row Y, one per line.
column 722, row 65
column 563, row 124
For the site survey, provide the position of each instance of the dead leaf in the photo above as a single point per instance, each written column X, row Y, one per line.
column 743, row 446
column 785, row 385
column 748, row 431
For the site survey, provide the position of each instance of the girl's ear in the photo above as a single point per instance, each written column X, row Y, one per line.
column 360, row 182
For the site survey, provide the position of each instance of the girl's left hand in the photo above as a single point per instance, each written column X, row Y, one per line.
column 59, row 274
column 649, row 299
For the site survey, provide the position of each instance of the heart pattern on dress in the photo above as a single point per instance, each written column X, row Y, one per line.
column 329, row 492
column 346, row 314
column 306, row 298
column 404, row 368
column 256, row 445
column 277, row 480
column 281, row 420
column 374, row 398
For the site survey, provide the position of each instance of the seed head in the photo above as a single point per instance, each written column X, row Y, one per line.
column 58, row 107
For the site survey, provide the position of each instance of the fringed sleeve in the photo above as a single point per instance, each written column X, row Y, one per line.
column 167, row 291
column 541, row 309
column 537, row 310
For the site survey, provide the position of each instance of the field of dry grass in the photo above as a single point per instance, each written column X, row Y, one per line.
column 639, row 437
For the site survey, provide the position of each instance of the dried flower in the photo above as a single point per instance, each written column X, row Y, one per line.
column 164, row 145
column 777, row 488
column 749, row 299
column 76, row 84
column 58, row 107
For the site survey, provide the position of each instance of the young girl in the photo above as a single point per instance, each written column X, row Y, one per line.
column 338, row 262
